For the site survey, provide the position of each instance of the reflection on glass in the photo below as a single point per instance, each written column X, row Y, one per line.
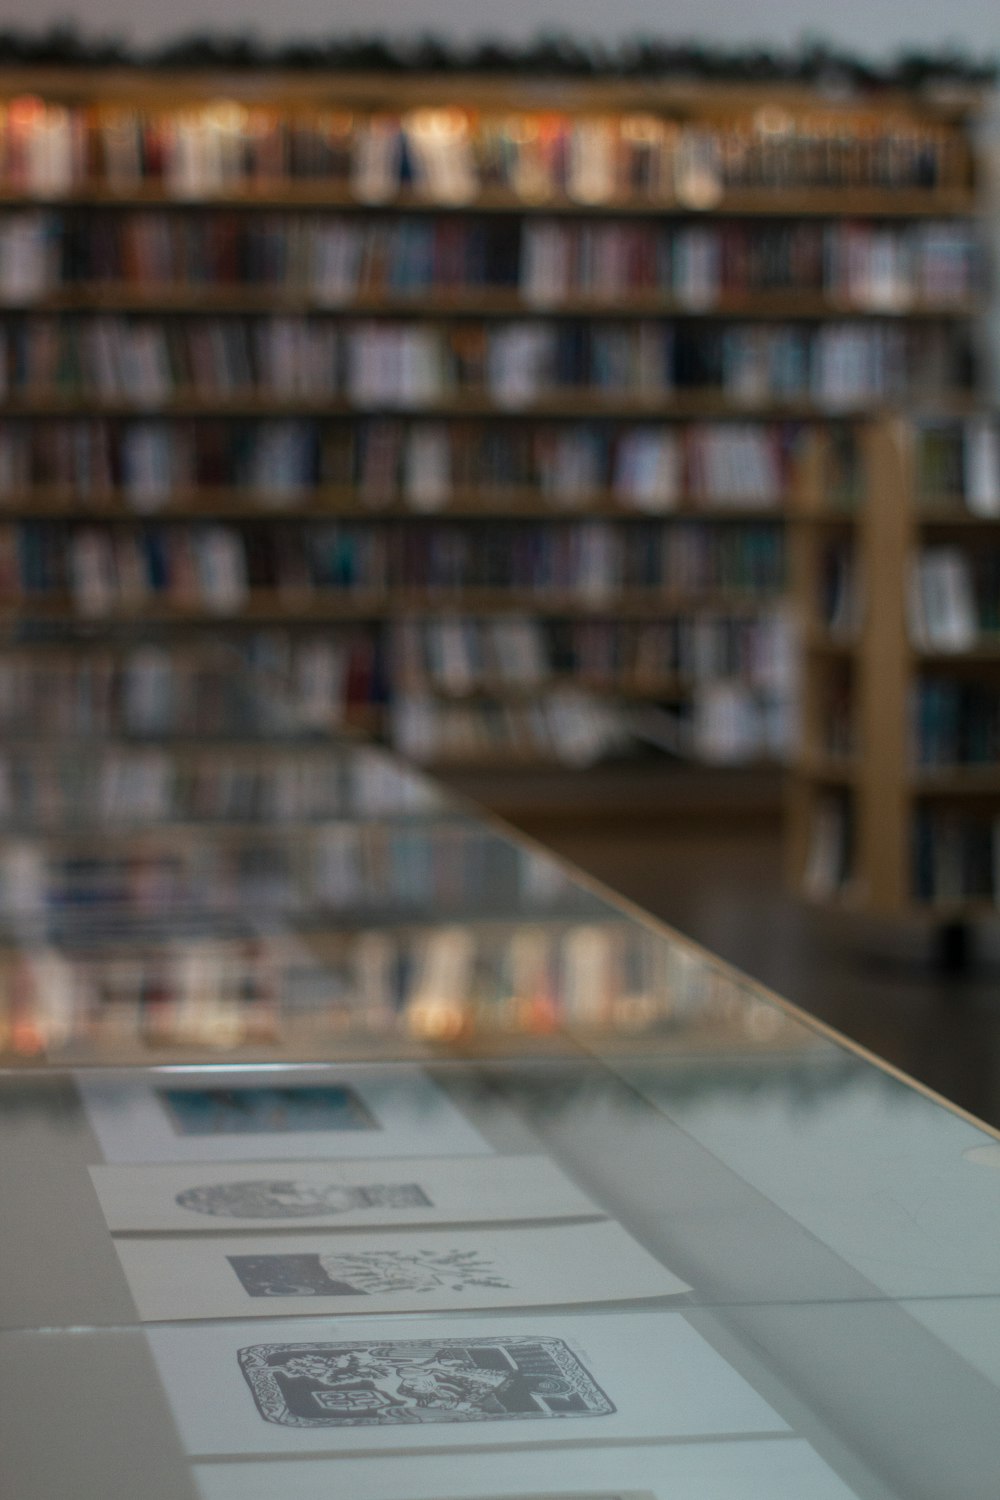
column 194, row 859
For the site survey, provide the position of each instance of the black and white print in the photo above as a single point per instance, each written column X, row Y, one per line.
column 403, row 1381
column 380, row 1386
column 291, row 1198
column 419, row 1191
column 439, row 1270
column 366, row 1273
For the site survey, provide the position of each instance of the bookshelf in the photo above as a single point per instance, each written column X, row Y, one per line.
column 508, row 399
column 895, row 797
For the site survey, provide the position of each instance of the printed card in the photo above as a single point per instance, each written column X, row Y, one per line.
column 334, row 1385
column 337, row 1194
column 229, row 1115
column 214, row 1276
column 765, row 1469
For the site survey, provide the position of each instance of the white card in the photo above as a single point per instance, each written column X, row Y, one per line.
column 446, row 1270
column 341, row 1384
column 338, row 1194
column 247, row 1115
column 775, row 1469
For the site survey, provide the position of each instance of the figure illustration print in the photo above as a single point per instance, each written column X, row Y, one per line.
column 420, row 1381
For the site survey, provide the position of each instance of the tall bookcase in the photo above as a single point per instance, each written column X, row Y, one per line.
column 496, row 399
column 895, row 797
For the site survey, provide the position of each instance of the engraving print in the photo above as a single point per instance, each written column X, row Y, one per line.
column 265, row 1110
column 286, row 1198
column 364, row 1273
column 400, row 1381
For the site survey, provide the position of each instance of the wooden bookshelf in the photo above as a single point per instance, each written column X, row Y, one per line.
column 892, row 826
column 893, row 164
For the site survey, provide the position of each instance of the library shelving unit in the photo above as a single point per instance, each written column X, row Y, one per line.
column 499, row 395
column 895, row 793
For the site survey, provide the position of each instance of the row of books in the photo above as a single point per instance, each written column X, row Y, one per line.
column 395, row 869
column 217, row 568
column 959, row 462
column 953, row 595
column 255, row 685
column 724, row 721
column 956, row 856
column 117, row 784
column 513, row 365
column 311, row 683
column 887, row 268
column 452, row 154
column 430, row 982
column 955, row 722
column 458, row 655
column 418, row 464
column 732, row 721
column 954, row 598
column 332, row 260
column 566, row 725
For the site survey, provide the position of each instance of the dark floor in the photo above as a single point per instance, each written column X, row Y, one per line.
column 881, row 988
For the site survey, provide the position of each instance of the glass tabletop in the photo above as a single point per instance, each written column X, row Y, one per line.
column 351, row 1146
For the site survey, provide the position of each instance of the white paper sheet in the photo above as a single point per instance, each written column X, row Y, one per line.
column 337, row 1194
column 247, row 1115
column 446, row 1270
column 779, row 1469
column 414, row 1382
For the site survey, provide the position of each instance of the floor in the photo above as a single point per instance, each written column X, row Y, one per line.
column 724, row 888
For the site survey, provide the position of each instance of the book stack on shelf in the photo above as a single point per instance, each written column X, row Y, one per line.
column 339, row 355
column 896, row 802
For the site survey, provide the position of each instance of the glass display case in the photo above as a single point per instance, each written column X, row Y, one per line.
column 352, row 1146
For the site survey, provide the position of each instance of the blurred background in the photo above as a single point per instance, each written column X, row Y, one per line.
column 598, row 418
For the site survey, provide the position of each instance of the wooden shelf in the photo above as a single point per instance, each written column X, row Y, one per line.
column 830, row 517
column 775, row 203
column 674, row 688
column 189, row 745
column 836, row 770
column 956, row 781
column 985, row 652
column 664, row 406
column 479, row 302
column 677, row 98
column 141, row 832
column 335, row 502
column 272, row 605
column 824, row 642
column 952, row 513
